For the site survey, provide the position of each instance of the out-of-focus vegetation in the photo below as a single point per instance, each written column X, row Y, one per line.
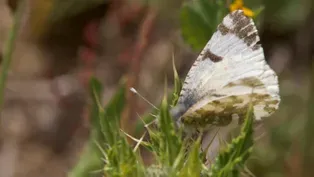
column 113, row 40
column 165, row 143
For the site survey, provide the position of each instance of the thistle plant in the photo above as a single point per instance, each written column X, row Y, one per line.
column 110, row 148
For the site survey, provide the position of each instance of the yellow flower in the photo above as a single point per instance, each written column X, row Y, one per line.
column 238, row 4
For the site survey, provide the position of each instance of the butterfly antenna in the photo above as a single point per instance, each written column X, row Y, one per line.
column 135, row 91
column 155, row 116
column 146, row 125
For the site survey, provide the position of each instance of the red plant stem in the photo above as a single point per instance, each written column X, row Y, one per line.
column 130, row 112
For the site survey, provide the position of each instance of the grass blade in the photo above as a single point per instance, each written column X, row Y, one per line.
column 9, row 49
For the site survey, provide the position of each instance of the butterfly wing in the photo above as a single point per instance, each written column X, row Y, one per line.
column 231, row 68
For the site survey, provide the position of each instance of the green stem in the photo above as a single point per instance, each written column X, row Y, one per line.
column 8, row 50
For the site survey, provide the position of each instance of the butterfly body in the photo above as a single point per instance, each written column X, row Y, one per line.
column 229, row 74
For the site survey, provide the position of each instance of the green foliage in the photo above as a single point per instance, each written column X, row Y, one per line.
column 120, row 159
column 199, row 20
column 177, row 85
column 175, row 96
column 169, row 142
column 103, row 120
column 9, row 48
column 193, row 166
column 232, row 159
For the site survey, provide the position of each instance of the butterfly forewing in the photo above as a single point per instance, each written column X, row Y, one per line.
column 229, row 73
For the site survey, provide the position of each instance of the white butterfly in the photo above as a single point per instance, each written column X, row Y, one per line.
column 229, row 74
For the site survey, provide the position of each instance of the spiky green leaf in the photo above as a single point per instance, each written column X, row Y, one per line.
column 231, row 159
column 193, row 165
column 177, row 85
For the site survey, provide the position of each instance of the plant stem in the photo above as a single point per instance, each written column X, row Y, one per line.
column 8, row 50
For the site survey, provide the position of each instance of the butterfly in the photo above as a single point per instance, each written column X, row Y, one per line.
column 227, row 77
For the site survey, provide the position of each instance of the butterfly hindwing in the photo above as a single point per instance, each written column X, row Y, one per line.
column 231, row 65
